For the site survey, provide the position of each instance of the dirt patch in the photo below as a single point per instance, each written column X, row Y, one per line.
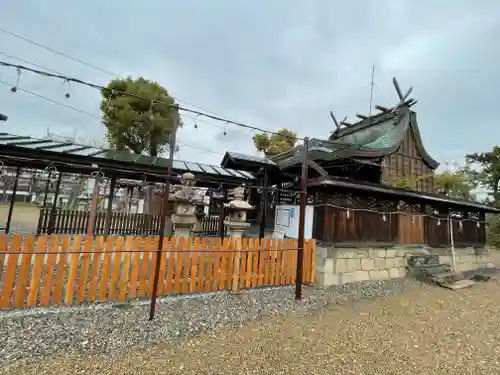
column 426, row 330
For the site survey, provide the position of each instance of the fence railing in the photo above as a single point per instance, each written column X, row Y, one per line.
column 66, row 270
column 76, row 222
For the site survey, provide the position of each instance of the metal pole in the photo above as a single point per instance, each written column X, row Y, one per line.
column 93, row 205
column 452, row 243
column 263, row 205
column 164, row 209
column 302, row 218
column 12, row 201
column 52, row 218
column 47, row 185
column 109, row 210
column 222, row 214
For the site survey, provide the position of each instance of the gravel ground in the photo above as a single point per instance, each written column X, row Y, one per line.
column 415, row 329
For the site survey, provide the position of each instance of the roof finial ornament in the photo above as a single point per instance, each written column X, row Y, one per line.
column 403, row 99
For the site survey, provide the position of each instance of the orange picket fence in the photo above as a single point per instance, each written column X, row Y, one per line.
column 71, row 270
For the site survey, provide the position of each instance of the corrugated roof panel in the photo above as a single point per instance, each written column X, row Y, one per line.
column 33, row 144
column 193, row 167
column 237, row 173
column 179, row 164
column 90, row 151
column 221, row 171
column 209, row 169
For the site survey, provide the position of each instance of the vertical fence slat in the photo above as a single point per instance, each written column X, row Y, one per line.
column 105, row 270
column 10, row 273
column 203, row 265
column 312, row 247
column 178, row 265
column 223, row 283
column 234, row 245
column 52, row 249
column 117, row 262
column 144, row 270
column 262, row 265
column 59, row 282
column 289, row 261
column 255, row 264
column 215, row 245
column 24, row 272
column 210, row 258
column 37, row 268
column 134, row 272
column 153, row 254
column 4, row 244
column 194, row 265
column 124, row 276
column 249, row 263
column 169, row 278
column 186, row 265
column 163, row 266
column 98, row 248
column 84, row 270
column 73, row 269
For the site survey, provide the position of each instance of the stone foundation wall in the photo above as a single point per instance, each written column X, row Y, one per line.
column 337, row 266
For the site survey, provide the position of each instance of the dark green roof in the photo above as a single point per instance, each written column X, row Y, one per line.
column 31, row 147
column 374, row 137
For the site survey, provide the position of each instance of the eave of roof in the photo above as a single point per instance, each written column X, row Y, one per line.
column 398, row 192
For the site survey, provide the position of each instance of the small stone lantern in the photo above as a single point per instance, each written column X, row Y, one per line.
column 184, row 197
column 237, row 213
column 236, row 224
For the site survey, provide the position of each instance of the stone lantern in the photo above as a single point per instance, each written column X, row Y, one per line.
column 184, row 197
column 236, row 223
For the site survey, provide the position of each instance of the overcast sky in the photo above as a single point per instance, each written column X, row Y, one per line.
column 270, row 64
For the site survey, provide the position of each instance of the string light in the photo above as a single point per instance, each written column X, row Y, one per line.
column 384, row 213
column 14, row 88
column 67, row 95
column 43, row 73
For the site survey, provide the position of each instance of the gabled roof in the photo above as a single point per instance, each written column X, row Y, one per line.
column 374, row 137
column 246, row 162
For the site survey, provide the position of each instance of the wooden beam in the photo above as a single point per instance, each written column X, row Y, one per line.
column 382, row 109
column 345, row 123
column 317, row 168
column 362, row 117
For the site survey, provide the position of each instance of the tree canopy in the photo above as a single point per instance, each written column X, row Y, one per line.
column 134, row 124
column 275, row 144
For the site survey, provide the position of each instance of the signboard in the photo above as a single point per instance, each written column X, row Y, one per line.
column 283, row 217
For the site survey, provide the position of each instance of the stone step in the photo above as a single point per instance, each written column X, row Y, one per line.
column 435, row 268
column 445, row 277
column 460, row 284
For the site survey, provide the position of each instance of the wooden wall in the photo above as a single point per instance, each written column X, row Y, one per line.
column 407, row 162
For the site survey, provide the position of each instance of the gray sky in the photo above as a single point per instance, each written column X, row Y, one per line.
column 270, row 64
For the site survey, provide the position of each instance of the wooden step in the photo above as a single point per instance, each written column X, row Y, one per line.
column 460, row 284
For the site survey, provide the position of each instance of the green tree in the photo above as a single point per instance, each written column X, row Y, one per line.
column 485, row 171
column 454, row 184
column 275, row 144
column 134, row 124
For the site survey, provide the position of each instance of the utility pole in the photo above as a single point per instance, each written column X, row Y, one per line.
column 164, row 210
column 302, row 218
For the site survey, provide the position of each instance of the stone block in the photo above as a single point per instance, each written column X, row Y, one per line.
column 391, row 253
column 400, row 262
column 380, row 263
column 324, row 280
column 353, row 265
column 325, row 265
column 354, row 277
column 379, row 275
column 367, row 264
column 377, row 253
column 445, row 259
column 341, row 266
column 321, row 252
column 397, row 272
column 390, row 263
